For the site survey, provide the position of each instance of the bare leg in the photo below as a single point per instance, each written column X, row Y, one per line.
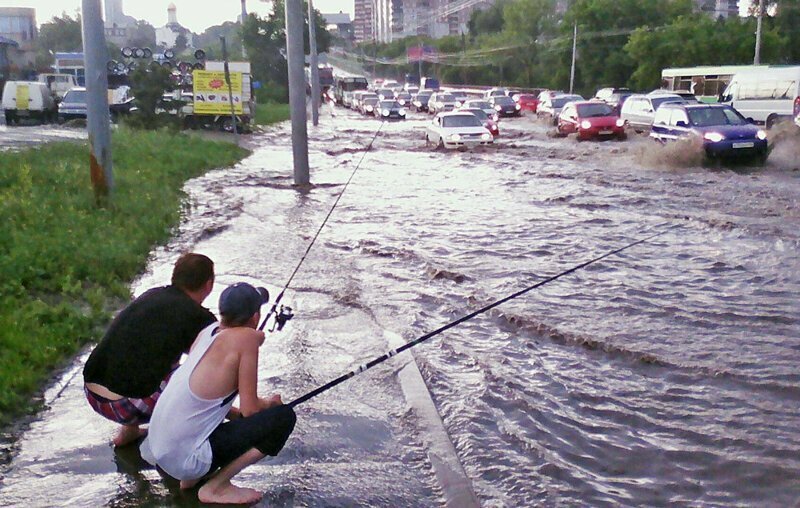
column 219, row 488
column 127, row 434
column 188, row 484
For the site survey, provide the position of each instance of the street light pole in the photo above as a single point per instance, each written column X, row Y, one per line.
column 757, row 57
column 574, row 55
column 295, row 56
column 314, row 65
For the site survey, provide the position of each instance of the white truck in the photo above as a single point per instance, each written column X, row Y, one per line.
column 28, row 99
column 211, row 105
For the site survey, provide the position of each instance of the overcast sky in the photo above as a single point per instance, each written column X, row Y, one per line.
column 196, row 15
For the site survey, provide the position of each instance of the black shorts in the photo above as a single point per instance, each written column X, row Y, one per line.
column 267, row 431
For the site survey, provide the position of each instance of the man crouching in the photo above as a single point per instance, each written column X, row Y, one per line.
column 189, row 438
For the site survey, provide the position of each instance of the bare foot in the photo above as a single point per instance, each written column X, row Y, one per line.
column 127, row 434
column 188, row 484
column 227, row 493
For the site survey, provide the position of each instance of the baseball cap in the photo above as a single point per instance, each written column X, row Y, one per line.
column 240, row 301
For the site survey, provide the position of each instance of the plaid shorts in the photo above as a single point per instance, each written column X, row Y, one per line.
column 127, row 411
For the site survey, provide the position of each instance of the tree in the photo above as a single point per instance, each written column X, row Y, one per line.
column 59, row 34
column 142, row 35
column 148, row 85
column 181, row 43
column 486, row 21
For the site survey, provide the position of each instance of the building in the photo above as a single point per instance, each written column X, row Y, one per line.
column 118, row 25
column 363, row 26
column 719, row 8
column 167, row 35
column 437, row 18
column 339, row 25
column 17, row 37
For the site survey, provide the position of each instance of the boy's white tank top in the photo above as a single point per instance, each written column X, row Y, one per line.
column 177, row 441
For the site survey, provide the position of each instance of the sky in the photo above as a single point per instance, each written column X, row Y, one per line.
column 196, row 15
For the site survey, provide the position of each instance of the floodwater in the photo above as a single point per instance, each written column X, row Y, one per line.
column 666, row 375
column 27, row 135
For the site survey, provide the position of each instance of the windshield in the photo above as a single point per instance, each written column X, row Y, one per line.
column 370, row 101
column 78, row 96
column 558, row 102
column 483, row 117
column 706, row 117
column 358, row 84
column 389, row 105
column 461, row 121
column 504, row 101
column 594, row 110
column 661, row 100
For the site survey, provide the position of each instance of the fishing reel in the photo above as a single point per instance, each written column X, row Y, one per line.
column 283, row 316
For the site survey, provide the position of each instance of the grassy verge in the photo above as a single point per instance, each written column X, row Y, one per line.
column 271, row 112
column 64, row 260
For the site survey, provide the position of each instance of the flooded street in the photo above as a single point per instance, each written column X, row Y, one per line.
column 664, row 375
column 25, row 136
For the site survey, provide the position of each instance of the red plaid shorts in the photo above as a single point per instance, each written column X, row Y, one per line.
column 127, row 411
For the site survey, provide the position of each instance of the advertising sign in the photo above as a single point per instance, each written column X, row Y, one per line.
column 211, row 93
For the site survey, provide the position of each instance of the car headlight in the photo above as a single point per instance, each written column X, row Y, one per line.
column 402, row 102
column 496, row 118
column 369, row 108
column 455, row 137
column 714, row 137
column 620, row 122
column 761, row 134
column 517, row 106
column 486, row 136
column 498, row 108
column 586, row 124
column 402, row 112
column 439, row 104
column 458, row 104
column 385, row 112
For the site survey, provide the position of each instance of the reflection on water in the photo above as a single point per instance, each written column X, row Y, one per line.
column 665, row 375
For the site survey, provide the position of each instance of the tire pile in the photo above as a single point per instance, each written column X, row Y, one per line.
column 181, row 70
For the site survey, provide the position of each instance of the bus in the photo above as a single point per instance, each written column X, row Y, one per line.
column 348, row 84
column 706, row 83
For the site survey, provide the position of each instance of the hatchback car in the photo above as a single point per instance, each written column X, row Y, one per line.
column 638, row 111
column 457, row 129
column 590, row 119
column 551, row 107
column 724, row 132
column 488, row 121
column 528, row 102
column 505, row 106
column 403, row 98
column 391, row 110
column 385, row 93
column 368, row 106
column 420, row 101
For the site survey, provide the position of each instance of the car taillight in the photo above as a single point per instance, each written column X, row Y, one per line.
column 797, row 106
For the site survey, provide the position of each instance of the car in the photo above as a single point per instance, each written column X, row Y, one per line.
column 544, row 94
column 528, row 102
column 392, row 85
column 28, row 99
column 590, row 120
column 639, row 110
column 390, row 109
column 767, row 94
column 441, row 101
column 514, row 94
column 347, row 99
column 505, row 106
column 412, row 89
column 420, row 101
column 73, row 105
column 494, row 92
column 724, row 132
column 614, row 97
column 369, row 105
column 461, row 97
column 488, row 121
column 457, row 129
column 358, row 98
column 403, row 98
column 686, row 95
column 384, row 93
column 551, row 106
column 482, row 105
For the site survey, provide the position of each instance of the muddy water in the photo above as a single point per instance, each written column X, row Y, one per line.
column 27, row 135
column 665, row 375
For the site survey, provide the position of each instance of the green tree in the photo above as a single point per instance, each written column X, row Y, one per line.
column 149, row 83
column 142, row 35
column 486, row 21
column 59, row 34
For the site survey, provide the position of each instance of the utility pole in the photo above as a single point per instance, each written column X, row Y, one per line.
column 464, row 56
column 757, row 57
column 421, row 48
column 295, row 57
column 230, row 87
column 97, row 113
column 574, row 56
column 314, row 64
column 244, row 17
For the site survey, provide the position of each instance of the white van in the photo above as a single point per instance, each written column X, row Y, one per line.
column 28, row 99
column 59, row 84
column 766, row 94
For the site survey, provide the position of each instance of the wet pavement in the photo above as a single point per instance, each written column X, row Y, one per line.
column 26, row 135
column 665, row 375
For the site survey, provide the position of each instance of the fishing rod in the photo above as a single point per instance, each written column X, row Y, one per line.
column 285, row 313
column 482, row 310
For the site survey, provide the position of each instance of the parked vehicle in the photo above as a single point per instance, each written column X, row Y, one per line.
column 429, row 84
column 551, row 106
column 590, row 120
column 403, row 98
column 765, row 94
column 457, row 129
column 505, row 106
column 724, row 132
column 348, row 84
column 639, row 110
column 487, row 121
column 59, row 84
column 369, row 105
column 441, row 101
column 482, row 105
column 528, row 102
column 28, row 99
column 391, row 110
column 420, row 101
column 73, row 105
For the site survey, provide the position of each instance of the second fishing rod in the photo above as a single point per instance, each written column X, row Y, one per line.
column 284, row 313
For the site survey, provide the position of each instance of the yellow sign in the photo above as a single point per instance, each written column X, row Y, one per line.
column 211, row 93
column 23, row 96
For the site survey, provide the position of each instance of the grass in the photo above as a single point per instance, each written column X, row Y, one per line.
column 269, row 113
column 64, row 261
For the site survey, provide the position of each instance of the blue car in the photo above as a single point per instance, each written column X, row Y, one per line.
column 725, row 133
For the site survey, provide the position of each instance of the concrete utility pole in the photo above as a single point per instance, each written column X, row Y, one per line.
column 98, row 116
column 313, row 64
column 757, row 57
column 295, row 56
column 244, row 17
column 574, row 56
column 421, row 48
column 230, row 87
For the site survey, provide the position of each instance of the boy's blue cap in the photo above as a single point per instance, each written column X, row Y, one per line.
column 241, row 301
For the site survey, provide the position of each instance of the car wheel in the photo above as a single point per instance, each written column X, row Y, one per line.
column 9, row 118
column 440, row 144
column 427, row 140
column 761, row 159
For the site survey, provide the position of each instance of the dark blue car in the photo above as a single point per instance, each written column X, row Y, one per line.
column 724, row 131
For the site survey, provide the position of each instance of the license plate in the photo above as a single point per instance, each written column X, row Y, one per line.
column 749, row 144
column 602, row 133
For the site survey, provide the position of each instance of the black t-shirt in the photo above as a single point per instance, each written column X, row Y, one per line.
column 145, row 340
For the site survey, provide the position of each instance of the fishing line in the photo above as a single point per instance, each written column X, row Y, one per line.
column 419, row 340
column 286, row 313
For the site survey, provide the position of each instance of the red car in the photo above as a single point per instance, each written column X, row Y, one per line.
column 528, row 102
column 590, row 120
column 485, row 119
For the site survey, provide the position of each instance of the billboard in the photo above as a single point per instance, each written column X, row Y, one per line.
column 425, row 53
column 211, row 93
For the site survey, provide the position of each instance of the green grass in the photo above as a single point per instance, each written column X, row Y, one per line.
column 269, row 113
column 64, row 261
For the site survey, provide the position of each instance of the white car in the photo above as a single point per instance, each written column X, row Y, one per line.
column 494, row 92
column 440, row 102
column 482, row 105
column 455, row 130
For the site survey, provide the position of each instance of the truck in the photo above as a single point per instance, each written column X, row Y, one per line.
column 210, row 105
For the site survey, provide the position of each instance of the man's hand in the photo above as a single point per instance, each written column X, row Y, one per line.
column 272, row 401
